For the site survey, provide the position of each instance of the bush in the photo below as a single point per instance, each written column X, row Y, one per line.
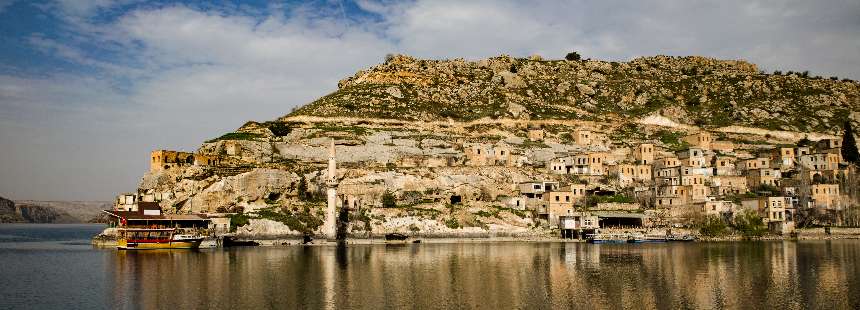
column 388, row 200
column 452, row 223
column 573, row 56
column 750, row 224
column 712, row 226
column 238, row 220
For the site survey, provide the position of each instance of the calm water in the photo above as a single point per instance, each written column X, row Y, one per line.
column 52, row 266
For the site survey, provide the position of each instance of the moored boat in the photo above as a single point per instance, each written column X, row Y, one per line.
column 156, row 238
column 606, row 238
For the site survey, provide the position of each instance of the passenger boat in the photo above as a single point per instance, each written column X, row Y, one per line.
column 156, row 238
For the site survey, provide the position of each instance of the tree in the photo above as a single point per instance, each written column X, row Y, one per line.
column 572, row 56
column 303, row 189
column 388, row 200
column 750, row 224
column 849, row 145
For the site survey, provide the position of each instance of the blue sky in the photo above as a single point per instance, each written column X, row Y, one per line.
column 89, row 87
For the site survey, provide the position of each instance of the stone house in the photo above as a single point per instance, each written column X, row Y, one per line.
column 588, row 138
column 692, row 157
column 165, row 159
column 828, row 145
column 589, row 164
column 724, row 165
column 533, row 193
column 783, row 157
column 723, row 146
column 758, row 177
column 820, row 161
column 667, row 162
column 824, row 196
column 644, row 154
column 771, row 209
column 536, row 134
column 668, row 176
column 728, row 185
column 630, row 173
column 718, row 208
column 700, row 140
column 559, row 203
column 756, row 163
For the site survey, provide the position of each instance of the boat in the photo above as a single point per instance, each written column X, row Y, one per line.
column 231, row 241
column 606, row 238
column 156, row 238
column 654, row 238
column 635, row 238
column 395, row 237
column 682, row 238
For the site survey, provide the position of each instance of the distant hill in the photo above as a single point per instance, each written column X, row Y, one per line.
column 690, row 90
column 31, row 211
column 78, row 211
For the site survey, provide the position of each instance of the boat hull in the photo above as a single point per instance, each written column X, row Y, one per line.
column 166, row 245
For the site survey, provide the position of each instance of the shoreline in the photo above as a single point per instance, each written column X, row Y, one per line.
column 211, row 242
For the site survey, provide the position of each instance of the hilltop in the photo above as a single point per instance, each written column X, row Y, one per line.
column 691, row 90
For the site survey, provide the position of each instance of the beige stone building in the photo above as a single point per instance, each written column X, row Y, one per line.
column 644, row 154
column 700, row 140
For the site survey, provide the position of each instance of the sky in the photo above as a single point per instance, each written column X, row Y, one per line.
column 89, row 87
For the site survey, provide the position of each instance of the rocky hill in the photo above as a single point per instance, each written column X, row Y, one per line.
column 410, row 128
column 688, row 90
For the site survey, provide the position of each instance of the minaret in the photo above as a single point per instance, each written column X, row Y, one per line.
column 330, row 224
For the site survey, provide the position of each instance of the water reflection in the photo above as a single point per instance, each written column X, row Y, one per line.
column 787, row 275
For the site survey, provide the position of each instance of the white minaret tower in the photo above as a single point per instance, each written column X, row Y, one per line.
column 330, row 224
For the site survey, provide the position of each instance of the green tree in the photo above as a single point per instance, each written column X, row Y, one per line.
column 388, row 200
column 303, row 189
column 849, row 145
column 750, row 224
column 712, row 226
column 572, row 56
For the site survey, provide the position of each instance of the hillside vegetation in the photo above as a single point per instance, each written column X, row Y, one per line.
column 692, row 90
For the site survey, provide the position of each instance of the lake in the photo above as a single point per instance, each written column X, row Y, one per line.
column 53, row 266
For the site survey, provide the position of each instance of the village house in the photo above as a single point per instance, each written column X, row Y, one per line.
column 756, row 163
column 771, row 209
column 692, row 157
column 829, row 145
column 824, row 196
column 630, row 173
column 701, row 140
column 759, row 177
column 722, row 208
column 783, row 157
column 723, row 146
column 559, row 203
column 728, row 185
column 667, row 162
column 820, row 161
column 724, row 165
column 533, row 193
column 644, row 154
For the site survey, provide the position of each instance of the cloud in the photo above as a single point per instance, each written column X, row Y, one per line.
column 172, row 76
